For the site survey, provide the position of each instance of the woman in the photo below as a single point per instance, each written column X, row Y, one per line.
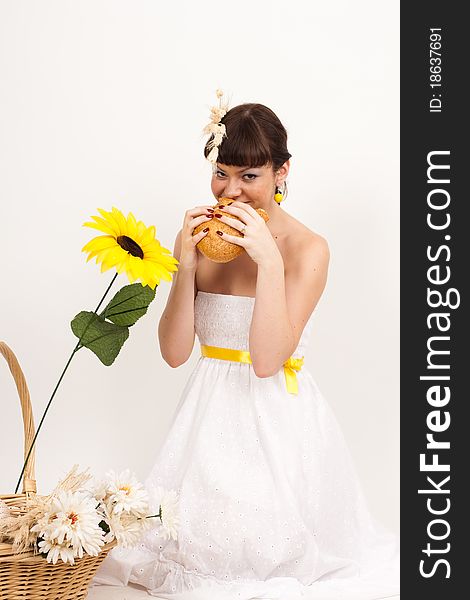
column 285, row 264
column 270, row 504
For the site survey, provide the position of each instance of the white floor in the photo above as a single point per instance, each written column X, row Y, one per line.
column 111, row 592
column 131, row 592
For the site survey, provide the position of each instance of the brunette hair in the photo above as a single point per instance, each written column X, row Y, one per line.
column 255, row 138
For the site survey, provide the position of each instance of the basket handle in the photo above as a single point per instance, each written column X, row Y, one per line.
column 29, row 478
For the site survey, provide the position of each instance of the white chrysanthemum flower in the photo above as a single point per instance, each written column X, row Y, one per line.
column 54, row 551
column 124, row 506
column 69, row 527
column 126, row 528
column 98, row 489
column 125, row 493
column 168, row 502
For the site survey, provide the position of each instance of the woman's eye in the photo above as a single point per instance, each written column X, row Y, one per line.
column 220, row 174
column 250, row 176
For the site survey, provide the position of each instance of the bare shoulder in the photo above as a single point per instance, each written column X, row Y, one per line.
column 304, row 246
column 306, row 261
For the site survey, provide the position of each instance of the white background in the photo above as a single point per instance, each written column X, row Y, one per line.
column 103, row 103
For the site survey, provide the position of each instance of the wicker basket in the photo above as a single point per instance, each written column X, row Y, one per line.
column 27, row 576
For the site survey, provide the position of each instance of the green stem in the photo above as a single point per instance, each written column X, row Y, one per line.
column 150, row 516
column 105, row 294
column 159, row 516
column 77, row 347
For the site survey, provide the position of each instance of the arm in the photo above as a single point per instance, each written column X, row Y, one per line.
column 176, row 328
column 284, row 303
column 285, row 299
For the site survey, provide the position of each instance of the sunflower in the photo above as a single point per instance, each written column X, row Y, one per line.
column 129, row 246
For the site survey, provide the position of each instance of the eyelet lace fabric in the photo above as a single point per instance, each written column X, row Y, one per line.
column 270, row 502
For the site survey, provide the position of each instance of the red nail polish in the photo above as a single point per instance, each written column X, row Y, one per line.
column 209, row 216
column 206, row 230
column 218, row 215
column 219, row 233
column 229, row 203
column 210, row 209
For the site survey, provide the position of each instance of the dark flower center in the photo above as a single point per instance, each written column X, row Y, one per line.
column 130, row 246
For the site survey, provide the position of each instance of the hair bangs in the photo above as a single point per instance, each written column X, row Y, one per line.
column 254, row 138
column 245, row 147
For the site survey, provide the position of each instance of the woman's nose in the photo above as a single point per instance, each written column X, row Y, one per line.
column 232, row 190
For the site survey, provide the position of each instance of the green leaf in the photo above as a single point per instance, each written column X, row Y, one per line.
column 101, row 337
column 129, row 304
column 104, row 526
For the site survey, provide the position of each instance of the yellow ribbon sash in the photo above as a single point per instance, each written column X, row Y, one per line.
column 290, row 366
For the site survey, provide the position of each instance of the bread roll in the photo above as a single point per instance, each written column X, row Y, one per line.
column 213, row 246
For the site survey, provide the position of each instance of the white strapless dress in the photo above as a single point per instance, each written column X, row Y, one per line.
column 270, row 502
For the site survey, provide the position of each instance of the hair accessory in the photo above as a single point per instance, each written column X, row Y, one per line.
column 216, row 128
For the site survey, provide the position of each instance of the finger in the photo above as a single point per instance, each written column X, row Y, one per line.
column 235, row 223
column 239, row 241
column 198, row 237
column 244, row 206
column 243, row 211
column 205, row 206
column 197, row 210
column 198, row 220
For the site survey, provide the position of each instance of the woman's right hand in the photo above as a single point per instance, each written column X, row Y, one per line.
column 192, row 218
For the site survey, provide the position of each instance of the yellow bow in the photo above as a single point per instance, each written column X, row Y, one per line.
column 290, row 366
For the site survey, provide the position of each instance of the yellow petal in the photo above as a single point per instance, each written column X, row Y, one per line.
column 149, row 235
column 121, row 221
column 110, row 219
column 157, row 261
column 99, row 243
column 111, row 257
column 132, row 228
column 102, row 225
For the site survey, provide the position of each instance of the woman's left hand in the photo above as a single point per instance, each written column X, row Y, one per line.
column 257, row 239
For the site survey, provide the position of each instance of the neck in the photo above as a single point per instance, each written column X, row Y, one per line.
column 275, row 214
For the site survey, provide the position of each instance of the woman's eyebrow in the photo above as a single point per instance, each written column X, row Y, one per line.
column 239, row 170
